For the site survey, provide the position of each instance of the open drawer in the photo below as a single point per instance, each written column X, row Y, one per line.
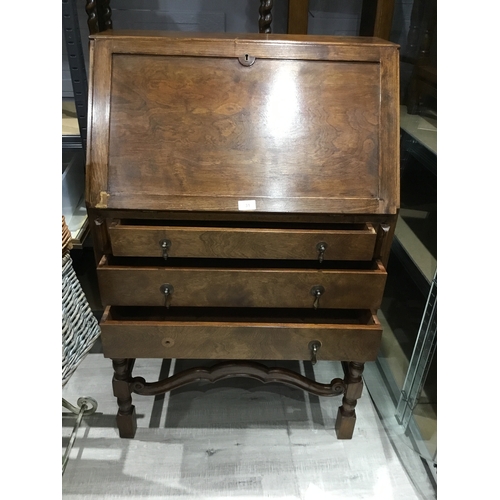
column 198, row 333
column 158, row 239
column 149, row 282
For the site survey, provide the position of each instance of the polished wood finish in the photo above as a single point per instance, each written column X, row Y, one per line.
column 346, row 415
column 209, row 286
column 92, row 17
column 376, row 18
column 136, row 240
column 298, row 11
column 265, row 16
column 126, row 418
column 291, row 159
column 98, row 15
column 221, row 371
column 270, row 164
column 234, row 335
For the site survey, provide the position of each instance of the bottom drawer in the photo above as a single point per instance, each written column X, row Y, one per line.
column 198, row 333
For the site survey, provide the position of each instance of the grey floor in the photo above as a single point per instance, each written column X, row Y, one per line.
column 234, row 439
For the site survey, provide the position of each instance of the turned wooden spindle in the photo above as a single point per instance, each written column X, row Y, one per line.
column 98, row 16
column 266, row 16
column 104, row 13
column 346, row 415
column 92, row 19
column 126, row 417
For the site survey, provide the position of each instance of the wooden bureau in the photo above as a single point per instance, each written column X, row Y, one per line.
column 243, row 192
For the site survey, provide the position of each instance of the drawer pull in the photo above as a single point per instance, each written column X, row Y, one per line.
column 317, row 291
column 314, row 348
column 165, row 246
column 167, row 290
column 321, row 248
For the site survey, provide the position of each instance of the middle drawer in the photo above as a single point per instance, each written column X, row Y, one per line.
column 350, row 286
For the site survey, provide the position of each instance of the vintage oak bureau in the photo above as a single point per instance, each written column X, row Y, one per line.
column 243, row 192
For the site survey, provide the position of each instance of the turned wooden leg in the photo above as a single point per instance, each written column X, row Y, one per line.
column 126, row 418
column 346, row 415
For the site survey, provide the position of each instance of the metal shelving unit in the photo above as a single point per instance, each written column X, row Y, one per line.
column 74, row 146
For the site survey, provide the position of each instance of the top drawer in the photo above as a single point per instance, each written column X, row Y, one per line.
column 344, row 242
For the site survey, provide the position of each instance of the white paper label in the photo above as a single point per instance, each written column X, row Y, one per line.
column 247, row 205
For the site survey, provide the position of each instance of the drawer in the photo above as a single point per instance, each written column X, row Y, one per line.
column 343, row 242
column 235, row 334
column 346, row 286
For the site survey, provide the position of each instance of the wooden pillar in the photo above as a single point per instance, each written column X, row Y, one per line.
column 298, row 11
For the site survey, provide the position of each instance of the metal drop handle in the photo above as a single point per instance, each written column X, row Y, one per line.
column 167, row 290
column 314, row 348
column 317, row 291
column 165, row 246
column 321, row 248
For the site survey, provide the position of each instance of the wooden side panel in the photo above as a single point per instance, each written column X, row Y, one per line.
column 238, row 243
column 389, row 130
column 213, row 287
column 97, row 157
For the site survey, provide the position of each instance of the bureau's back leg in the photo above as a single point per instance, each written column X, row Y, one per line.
column 346, row 415
column 126, row 419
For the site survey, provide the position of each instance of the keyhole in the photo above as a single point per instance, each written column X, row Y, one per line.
column 246, row 60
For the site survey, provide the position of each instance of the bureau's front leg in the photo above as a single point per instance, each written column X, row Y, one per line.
column 346, row 415
column 126, row 418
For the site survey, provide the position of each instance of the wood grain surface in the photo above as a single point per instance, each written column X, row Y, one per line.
column 233, row 339
column 309, row 127
column 241, row 287
column 242, row 243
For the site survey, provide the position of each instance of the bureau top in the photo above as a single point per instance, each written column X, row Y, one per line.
column 267, row 123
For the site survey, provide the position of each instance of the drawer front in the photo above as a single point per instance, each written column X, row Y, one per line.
column 236, row 339
column 238, row 243
column 216, row 287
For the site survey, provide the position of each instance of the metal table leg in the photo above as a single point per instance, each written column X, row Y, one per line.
column 86, row 406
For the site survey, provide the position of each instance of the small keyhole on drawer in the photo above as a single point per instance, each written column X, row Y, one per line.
column 167, row 342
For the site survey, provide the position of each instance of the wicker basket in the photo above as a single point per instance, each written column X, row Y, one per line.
column 80, row 328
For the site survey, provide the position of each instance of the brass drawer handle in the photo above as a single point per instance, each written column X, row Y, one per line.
column 165, row 246
column 167, row 290
column 314, row 346
column 321, row 248
column 317, row 291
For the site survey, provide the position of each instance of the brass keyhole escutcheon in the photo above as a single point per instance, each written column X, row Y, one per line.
column 314, row 346
column 246, row 60
column 317, row 291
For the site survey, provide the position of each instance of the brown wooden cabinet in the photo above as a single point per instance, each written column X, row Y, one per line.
column 243, row 193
